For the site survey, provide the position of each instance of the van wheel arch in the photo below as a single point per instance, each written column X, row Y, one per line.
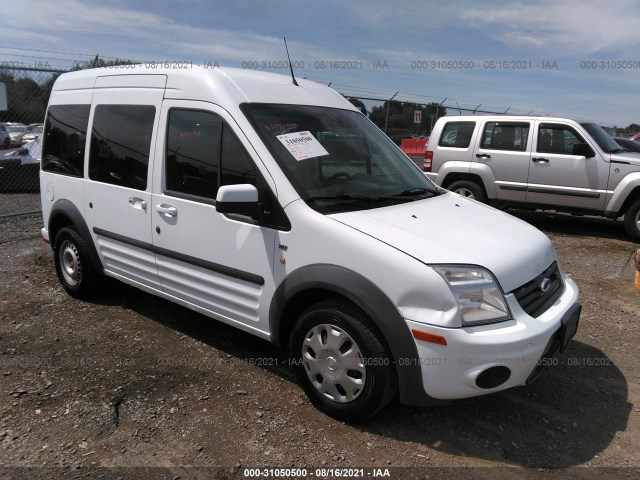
column 315, row 283
column 65, row 214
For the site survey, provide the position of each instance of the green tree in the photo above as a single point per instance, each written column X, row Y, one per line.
column 27, row 97
column 356, row 102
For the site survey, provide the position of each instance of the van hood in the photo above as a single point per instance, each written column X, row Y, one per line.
column 450, row 229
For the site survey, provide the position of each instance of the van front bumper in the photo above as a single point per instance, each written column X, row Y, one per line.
column 484, row 359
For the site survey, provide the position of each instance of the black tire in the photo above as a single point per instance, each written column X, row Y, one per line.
column 469, row 189
column 7, row 143
column 632, row 221
column 75, row 271
column 352, row 333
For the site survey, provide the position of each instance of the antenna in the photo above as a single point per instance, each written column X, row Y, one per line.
column 290, row 67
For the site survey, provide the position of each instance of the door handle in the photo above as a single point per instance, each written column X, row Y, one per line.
column 540, row 160
column 136, row 202
column 167, row 210
column 483, row 155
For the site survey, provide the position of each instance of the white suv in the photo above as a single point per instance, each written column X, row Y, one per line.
column 282, row 210
column 536, row 162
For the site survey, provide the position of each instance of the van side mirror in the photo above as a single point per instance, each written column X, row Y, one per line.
column 583, row 150
column 240, row 199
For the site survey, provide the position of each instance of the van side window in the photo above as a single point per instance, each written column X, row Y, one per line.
column 193, row 153
column 64, row 137
column 505, row 136
column 456, row 134
column 554, row 138
column 237, row 166
column 120, row 144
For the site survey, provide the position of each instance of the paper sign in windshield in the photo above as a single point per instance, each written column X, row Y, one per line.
column 302, row 145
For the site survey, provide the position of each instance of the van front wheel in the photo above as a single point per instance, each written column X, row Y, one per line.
column 469, row 189
column 632, row 220
column 344, row 365
column 73, row 265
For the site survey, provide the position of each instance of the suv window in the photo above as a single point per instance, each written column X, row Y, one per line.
column 505, row 136
column 64, row 139
column 554, row 138
column 456, row 134
column 120, row 144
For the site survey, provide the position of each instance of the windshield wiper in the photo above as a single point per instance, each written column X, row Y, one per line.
column 416, row 191
column 409, row 196
column 340, row 196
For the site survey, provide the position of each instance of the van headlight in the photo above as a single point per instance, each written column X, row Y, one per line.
column 479, row 297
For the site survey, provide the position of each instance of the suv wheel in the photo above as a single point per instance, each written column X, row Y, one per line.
column 344, row 365
column 73, row 265
column 632, row 220
column 469, row 189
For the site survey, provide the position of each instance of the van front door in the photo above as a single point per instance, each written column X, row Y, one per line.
column 220, row 265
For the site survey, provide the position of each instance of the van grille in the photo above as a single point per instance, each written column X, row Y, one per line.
column 533, row 298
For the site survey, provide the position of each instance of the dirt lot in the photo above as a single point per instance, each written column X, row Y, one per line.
column 129, row 380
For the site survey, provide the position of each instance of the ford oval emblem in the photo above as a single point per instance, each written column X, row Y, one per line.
column 545, row 284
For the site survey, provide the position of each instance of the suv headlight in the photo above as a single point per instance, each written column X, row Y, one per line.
column 480, row 299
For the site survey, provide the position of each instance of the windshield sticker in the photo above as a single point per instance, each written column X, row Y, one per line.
column 280, row 126
column 302, row 145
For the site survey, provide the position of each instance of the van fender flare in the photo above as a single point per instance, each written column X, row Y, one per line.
column 373, row 302
column 68, row 209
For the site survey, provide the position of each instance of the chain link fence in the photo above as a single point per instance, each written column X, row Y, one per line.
column 400, row 115
column 27, row 93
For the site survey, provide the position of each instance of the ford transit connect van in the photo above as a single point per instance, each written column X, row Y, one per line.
column 282, row 210
column 536, row 162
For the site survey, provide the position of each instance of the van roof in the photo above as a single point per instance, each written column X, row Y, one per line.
column 218, row 85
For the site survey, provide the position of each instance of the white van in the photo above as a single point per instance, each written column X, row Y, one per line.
column 282, row 210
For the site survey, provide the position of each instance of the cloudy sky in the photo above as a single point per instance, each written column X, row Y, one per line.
column 579, row 58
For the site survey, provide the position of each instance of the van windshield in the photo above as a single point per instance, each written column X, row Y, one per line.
column 337, row 160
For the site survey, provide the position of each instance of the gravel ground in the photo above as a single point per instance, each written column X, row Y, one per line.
column 132, row 386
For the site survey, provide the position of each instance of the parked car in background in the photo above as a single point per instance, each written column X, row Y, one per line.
column 16, row 133
column 5, row 138
column 32, row 132
column 20, row 169
column 628, row 144
column 536, row 163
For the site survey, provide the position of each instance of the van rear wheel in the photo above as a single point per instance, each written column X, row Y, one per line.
column 75, row 271
column 469, row 189
column 344, row 365
column 632, row 221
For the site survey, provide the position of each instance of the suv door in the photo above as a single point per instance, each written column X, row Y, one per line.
column 559, row 177
column 117, row 192
column 221, row 265
column 503, row 148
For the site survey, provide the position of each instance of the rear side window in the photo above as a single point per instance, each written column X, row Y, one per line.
column 120, row 144
column 456, row 134
column 64, row 137
column 505, row 136
column 555, row 138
